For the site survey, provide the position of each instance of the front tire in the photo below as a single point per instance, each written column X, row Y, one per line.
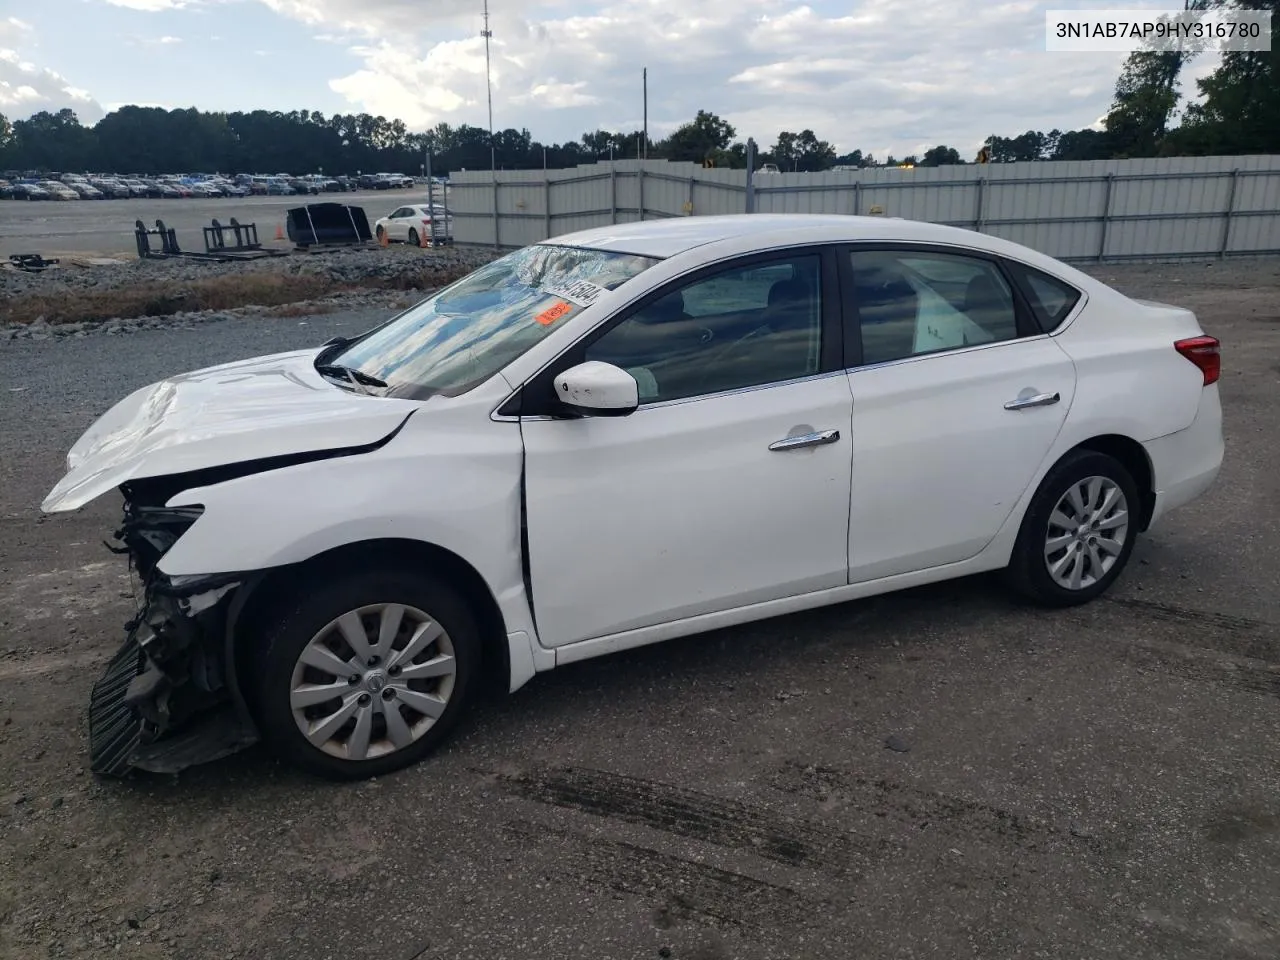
column 1078, row 532
column 366, row 673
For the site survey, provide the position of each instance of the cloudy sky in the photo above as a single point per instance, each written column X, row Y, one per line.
column 885, row 76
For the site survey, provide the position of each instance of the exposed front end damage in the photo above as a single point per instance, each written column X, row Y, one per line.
column 168, row 698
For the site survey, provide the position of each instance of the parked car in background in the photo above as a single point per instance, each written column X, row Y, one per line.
column 111, row 188
column 85, row 190
column 410, row 224
column 28, row 190
column 745, row 416
column 58, row 190
column 300, row 185
column 279, row 188
column 6, row 190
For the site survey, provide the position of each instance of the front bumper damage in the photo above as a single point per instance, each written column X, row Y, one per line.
column 168, row 699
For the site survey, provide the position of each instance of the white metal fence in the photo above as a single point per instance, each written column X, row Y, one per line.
column 1074, row 210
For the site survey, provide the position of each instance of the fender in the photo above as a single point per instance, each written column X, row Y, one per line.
column 458, row 490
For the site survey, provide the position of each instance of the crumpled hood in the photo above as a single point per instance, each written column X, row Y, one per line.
column 264, row 407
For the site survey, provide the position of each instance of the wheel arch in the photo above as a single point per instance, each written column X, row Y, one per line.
column 266, row 591
column 1133, row 456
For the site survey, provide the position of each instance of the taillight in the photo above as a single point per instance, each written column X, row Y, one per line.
column 1204, row 352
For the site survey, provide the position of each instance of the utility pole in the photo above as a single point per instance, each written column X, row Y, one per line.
column 488, row 35
column 645, row 154
column 493, row 151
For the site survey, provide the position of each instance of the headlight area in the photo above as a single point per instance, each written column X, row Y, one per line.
column 165, row 701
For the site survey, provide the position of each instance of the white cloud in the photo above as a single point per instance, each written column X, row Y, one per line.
column 150, row 6
column 26, row 88
column 877, row 74
column 554, row 95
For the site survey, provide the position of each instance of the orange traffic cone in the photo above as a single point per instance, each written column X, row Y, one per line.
column 279, row 232
column 424, row 241
column 383, row 239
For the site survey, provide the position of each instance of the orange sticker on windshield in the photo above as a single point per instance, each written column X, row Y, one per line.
column 553, row 313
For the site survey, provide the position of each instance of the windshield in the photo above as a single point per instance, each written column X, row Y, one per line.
column 470, row 330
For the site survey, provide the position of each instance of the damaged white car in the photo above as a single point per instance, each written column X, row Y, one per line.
column 618, row 437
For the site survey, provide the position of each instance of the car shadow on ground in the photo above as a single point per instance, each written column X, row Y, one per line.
column 731, row 658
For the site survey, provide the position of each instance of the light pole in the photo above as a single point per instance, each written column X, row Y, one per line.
column 488, row 82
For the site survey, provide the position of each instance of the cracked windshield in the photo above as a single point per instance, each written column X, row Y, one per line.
column 472, row 329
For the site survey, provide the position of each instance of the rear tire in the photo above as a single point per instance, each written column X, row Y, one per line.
column 413, row 237
column 345, row 697
column 1078, row 532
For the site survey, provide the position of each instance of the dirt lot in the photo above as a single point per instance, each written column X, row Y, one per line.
column 106, row 226
column 1101, row 783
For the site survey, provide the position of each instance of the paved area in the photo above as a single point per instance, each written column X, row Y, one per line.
column 1100, row 783
column 104, row 227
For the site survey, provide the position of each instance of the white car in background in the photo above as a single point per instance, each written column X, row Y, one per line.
column 409, row 224
column 614, row 438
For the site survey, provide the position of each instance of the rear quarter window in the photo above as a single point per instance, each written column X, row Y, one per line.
column 1051, row 299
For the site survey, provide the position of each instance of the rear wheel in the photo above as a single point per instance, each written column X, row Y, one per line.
column 413, row 237
column 366, row 674
column 1078, row 532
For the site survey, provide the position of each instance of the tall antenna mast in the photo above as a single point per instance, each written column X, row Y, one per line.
column 488, row 34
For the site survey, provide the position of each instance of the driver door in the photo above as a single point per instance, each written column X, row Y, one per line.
column 728, row 486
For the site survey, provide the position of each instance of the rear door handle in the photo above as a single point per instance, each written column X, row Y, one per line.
column 1039, row 400
column 806, row 440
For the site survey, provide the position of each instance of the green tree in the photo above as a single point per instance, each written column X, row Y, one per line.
column 1240, row 112
column 1147, row 94
column 53, row 142
column 6, row 140
column 802, row 152
column 940, row 156
column 697, row 140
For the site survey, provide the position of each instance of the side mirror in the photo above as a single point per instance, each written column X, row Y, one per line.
column 598, row 389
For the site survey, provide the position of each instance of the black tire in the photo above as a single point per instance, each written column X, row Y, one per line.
column 381, row 233
column 291, row 626
column 1028, row 572
column 413, row 237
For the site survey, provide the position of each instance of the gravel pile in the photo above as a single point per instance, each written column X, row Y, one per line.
column 370, row 301
column 149, row 293
column 397, row 266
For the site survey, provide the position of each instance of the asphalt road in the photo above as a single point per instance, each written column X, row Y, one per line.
column 1098, row 783
column 103, row 227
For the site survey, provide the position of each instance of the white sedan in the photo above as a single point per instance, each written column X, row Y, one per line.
column 618, row 437
column 410, row 224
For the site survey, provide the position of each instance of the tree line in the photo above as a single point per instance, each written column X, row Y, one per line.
column 1239, row 113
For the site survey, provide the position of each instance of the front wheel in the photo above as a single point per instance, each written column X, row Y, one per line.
column 365, row 674
column 1078, row 532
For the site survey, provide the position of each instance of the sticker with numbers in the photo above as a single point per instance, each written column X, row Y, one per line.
column 553, row 313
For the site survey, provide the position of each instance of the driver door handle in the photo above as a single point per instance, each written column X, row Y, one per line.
column 806, row 440
column 1039, row 400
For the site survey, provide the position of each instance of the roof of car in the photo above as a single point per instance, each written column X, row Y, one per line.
column 670, row 236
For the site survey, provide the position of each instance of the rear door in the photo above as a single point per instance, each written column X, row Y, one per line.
column 958, row 398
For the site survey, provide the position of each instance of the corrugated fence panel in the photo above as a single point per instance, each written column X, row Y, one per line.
column 1074, row 210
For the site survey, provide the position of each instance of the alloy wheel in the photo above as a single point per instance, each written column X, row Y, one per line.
column 1086, row 533
column 373, row 681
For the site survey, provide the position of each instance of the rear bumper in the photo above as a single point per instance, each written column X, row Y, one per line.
column 1186, row 464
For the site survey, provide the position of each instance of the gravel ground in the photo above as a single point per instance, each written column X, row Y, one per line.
column 937, row 773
